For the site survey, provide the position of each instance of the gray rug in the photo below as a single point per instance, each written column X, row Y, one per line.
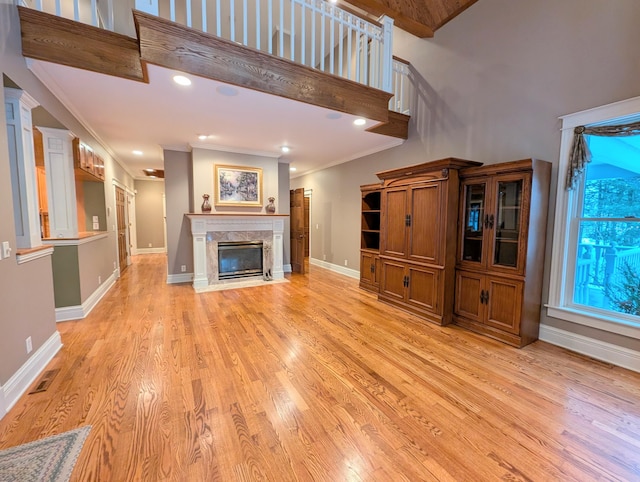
column 50, row 459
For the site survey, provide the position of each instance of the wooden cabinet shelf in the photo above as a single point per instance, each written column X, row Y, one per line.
column 370, row 237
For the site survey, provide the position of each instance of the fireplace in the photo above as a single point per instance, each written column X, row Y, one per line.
column 210, row 231
column 239, row 259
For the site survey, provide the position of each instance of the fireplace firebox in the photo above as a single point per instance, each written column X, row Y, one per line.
column 239, row 259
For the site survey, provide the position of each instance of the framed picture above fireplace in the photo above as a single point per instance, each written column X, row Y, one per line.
column 238, row 186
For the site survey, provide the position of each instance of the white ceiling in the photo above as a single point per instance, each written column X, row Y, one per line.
column 126, row 116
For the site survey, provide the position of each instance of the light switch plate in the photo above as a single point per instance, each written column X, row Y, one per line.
column 6, row 250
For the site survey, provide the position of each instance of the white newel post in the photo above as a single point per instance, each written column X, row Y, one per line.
column 199, row 233
column 387, row 53
column 148, row 6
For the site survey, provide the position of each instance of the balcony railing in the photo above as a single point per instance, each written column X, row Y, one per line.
column 313, row 33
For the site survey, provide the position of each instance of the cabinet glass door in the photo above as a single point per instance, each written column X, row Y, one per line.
column 472, row 244
column 507, row 223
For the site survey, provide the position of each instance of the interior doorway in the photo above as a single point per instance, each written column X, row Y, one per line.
column 297, row 236
column 121, row 223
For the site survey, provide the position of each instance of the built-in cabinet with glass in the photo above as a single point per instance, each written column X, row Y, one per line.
column 419, row 208
column 502, row 232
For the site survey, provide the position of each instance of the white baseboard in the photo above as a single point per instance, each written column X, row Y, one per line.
column 78, row 312
column 151, row 250
column 179, row 278
column 351, row 273
column 597, row 349
column 286, row 268
column 11, row 392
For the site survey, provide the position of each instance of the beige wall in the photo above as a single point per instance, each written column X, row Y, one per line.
column 26, row 290
column 203, row 177
column 178, row 179
column 149, row 214
column 490, row 87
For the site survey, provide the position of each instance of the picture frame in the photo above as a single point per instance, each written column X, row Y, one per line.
column 237, row 186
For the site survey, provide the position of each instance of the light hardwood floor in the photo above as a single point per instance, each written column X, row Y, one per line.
column 316, row 380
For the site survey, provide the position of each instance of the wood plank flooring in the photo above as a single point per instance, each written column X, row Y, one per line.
column 316, row 380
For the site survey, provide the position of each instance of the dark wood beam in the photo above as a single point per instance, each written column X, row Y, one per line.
column 66, row 42
column 396, row 126
column 171, row 45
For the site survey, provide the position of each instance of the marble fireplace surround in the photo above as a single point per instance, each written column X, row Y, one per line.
column 209, row 229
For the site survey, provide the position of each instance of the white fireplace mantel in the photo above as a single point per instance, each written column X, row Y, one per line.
column 201, row 224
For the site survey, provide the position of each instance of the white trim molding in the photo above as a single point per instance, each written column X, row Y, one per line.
column 161, row 250
column 351, row 273
column 33, row 255
column 562, row 262
column 78, row 312
column 597, row 349
column 179, row 278
column 19, row 383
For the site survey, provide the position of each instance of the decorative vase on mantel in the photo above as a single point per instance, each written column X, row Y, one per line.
column 271, row 207
column 206, row 207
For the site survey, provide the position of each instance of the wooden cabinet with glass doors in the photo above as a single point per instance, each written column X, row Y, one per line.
column 502, row 232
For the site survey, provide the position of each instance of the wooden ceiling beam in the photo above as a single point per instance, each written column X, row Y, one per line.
column 171, row 45
column 66, row 42
column 396, row 126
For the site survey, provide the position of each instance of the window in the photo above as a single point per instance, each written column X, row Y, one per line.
column 596, row 254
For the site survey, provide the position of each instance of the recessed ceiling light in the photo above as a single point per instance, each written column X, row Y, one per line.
column 292, row 169
column 137, row 153
column 334, row 115
column 202, row 137
column 227, row 90
column 181, row 80
column 150, row 170
column 285, row 148
column 360, row 121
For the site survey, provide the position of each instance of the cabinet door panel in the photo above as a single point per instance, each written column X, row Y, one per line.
column 467, row 299
column 392, row 283
column 425, row 209
column 505, row 304
column 473, row 207
column 394, row 212
column 423, row 288
column 367, row 267
column 509, row 200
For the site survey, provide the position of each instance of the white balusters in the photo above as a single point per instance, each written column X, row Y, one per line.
column 318, row 33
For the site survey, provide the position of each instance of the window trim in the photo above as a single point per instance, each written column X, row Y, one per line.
column 566, row 207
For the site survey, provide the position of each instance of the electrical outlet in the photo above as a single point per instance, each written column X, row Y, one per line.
column 324, row 257
column 29, row 345
column 183, row 268
column 114, row 265
column 99, row 279
column 345, row 262
column 150, row 245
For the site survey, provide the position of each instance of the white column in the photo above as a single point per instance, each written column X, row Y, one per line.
column 199, row 233
column 18, row 105
column 278, row 248
column 61, row 182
